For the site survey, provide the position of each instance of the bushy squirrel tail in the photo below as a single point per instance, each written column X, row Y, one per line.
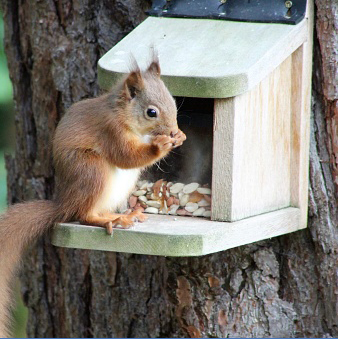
column 20, row 226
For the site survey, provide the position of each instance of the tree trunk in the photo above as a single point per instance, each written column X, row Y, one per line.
column 283, row 287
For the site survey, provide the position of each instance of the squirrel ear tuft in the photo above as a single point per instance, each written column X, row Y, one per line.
column 133, row 84
column 154, row 66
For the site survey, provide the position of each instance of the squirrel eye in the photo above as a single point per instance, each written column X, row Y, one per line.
column 151, row 113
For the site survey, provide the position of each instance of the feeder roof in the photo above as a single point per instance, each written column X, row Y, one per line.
column 202, row 57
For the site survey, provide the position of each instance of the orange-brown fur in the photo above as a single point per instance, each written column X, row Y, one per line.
column 95, row 141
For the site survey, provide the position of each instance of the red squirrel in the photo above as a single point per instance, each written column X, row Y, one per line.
column 100, row 147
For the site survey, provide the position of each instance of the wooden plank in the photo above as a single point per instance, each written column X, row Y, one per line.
column 251, row 166
column 301, row 109
column 223, row 159
column 204, row 58
column 178, row 236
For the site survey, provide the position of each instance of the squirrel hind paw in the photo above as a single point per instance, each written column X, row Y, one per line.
column 126, row 221
column 138, row 215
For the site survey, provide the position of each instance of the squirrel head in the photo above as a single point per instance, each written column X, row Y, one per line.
column 150, row 108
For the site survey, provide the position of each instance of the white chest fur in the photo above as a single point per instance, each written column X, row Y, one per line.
column 119, row 185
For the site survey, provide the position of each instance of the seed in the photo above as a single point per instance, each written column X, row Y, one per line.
column 152, row 210
column 207, row 214
column 176, row 187
column 144, row 186
column 190, row 187
column 143, row 204
column 204, row 190
column 139, row 192
column 184, row 200
column 173, row 209
column 203, row 203
column 153, row 203
column 164, row 197
column 142, row 198
column 191, row 207
column 181, row 212
column 199, row 212
column 141, row 183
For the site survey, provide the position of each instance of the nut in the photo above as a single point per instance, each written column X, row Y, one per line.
column 288, row 4
column 195, row 197
column 164, row 197
column 170, row 201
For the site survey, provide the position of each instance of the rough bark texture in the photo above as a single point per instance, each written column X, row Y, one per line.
column 285, row 287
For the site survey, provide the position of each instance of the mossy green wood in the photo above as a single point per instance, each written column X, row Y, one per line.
column 204, row 58
column 178, row 236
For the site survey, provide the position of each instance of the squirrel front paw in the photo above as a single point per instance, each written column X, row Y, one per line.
column 179, row 138
column 163, row 143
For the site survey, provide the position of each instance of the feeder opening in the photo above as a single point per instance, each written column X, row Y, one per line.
column 180, row 184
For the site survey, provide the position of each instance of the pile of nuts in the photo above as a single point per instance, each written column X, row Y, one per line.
column 164, row 197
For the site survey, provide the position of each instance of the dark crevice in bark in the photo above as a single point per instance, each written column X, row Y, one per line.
column 59, row 14
column 88, row 304
column 49, row 306
column 59, row 107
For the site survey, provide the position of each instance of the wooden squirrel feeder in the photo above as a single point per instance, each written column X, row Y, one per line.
column 257, row 75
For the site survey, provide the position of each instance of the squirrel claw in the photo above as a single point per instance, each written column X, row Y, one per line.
column 179, row 137
column 109, row 227
column 141, row 217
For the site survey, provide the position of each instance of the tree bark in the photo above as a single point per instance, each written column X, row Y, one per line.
column 283, row 287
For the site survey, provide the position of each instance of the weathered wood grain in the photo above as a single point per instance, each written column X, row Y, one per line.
column 179, row 236
column 251, row 164
column 205, row 58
